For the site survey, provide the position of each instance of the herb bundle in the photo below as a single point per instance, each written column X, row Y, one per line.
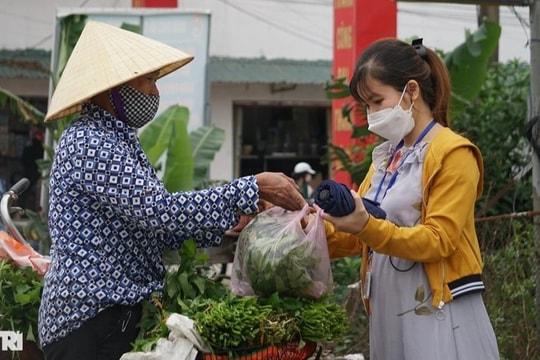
column 233, row 324
column 20, row 296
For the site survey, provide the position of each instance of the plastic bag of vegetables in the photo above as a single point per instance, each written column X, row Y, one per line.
column 275, row 254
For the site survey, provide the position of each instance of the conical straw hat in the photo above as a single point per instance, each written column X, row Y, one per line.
column 106, row 56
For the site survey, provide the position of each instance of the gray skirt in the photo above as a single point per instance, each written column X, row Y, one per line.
column 404, row 324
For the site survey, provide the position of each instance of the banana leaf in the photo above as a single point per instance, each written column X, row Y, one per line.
column 205, row 142
column 468, row 64
column 27, row 112
column 166, row 143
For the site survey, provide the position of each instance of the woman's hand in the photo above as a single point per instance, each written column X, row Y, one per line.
column 352, row 223
column 280, row 190
column 306, row 220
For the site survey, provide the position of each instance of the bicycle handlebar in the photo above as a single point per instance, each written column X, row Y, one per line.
column 20, row 186
column 8, row 198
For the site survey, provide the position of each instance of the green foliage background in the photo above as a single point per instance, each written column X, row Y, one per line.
column 495, row 121
column 509, row 275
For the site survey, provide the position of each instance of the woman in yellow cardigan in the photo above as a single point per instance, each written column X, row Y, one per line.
column 421, row 268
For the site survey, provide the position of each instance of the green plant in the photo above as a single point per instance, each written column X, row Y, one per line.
column 509, row 275
column 235, row 324
column 26, row 111
column 468, row 65
column 188, row 280
column 275, row 257
column 226, row 320
column 20, row 296
column 495, row 121
column 184, row 281
column 346, row 274
column 184, row 158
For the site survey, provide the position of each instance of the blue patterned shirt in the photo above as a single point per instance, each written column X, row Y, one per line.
column 110, row 218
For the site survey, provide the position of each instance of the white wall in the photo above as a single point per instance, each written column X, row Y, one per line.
column 271, row 29
column 222, row 99
column 304, row 29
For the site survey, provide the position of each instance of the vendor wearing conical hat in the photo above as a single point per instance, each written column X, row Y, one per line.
column 110, row 217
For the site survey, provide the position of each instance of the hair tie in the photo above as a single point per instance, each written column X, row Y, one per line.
column 420, row 49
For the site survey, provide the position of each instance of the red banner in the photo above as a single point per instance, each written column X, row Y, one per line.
column 154, row 3
column 357, row 23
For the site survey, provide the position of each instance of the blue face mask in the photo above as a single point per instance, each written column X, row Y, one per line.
column 132, row 106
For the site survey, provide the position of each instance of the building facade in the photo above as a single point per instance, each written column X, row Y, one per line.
column 274, row 112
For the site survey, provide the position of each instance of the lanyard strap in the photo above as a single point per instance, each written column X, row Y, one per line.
column 398, row 147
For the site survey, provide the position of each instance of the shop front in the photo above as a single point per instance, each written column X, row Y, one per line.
column 274, row 112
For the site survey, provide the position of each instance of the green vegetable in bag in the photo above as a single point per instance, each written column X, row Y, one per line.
column 275, row 255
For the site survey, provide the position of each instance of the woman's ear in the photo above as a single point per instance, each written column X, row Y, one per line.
column 413, row 89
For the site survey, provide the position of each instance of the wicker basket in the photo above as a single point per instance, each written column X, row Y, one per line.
column 289, row 351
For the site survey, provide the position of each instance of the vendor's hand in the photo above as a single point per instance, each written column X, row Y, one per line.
column 244, row 220
column 280, row 190
column 352, row 223
column 264, row 205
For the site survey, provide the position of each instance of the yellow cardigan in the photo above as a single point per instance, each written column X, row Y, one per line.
column 445, row 241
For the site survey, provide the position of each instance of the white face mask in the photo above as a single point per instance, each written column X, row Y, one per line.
column 392, row 123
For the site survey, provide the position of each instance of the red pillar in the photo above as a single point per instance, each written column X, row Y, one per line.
column 154, row 3
column 357, row 23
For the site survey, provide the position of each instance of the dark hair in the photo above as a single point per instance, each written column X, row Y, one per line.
column 394, row 62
